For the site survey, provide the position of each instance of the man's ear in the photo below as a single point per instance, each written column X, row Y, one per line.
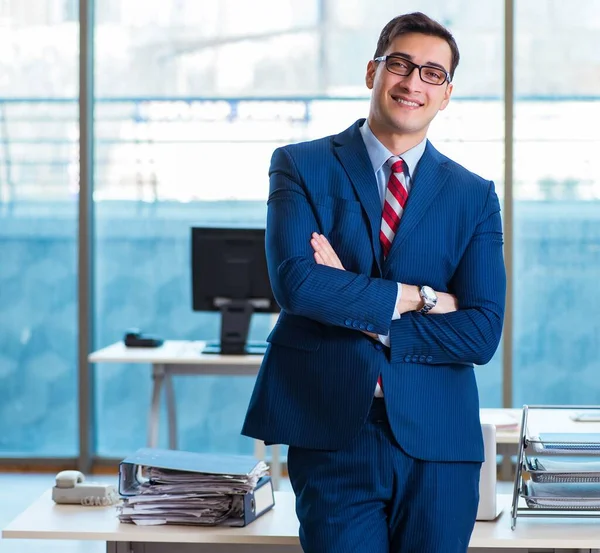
column 370, row 76
column 447, row 95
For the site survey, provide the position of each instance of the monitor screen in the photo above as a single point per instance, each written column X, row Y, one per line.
column 229, row 274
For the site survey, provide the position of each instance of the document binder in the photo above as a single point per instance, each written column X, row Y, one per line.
column 133, row 468
column 256, row 503
column 180, row 487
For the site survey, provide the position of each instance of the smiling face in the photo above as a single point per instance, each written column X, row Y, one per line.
column 403, row 107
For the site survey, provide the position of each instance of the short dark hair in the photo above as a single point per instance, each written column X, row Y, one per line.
column 416, row 22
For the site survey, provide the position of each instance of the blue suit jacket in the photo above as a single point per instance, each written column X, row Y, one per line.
column 316, row 382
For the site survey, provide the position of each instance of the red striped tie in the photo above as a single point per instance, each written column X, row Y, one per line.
column 393, row 207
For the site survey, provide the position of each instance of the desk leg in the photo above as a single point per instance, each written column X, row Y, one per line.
column 171, row 413
column 276, row 465
column 118, row 547
column 158, row 376
column 260, row 450
column 506, row 466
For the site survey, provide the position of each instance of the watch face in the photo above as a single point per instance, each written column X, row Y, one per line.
column 429, row 293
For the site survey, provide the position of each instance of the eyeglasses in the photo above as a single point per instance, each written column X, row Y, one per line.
column 402, row 66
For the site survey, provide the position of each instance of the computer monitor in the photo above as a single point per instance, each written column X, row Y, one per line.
column 229, row 274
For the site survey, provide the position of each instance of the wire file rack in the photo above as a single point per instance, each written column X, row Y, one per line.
column 558, row 463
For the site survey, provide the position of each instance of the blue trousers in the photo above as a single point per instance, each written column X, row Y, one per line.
column 371, row 497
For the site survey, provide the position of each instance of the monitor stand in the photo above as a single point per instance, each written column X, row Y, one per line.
column 235, row 323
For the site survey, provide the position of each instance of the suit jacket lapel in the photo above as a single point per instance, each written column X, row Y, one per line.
column 352, row 153
column 429, row 179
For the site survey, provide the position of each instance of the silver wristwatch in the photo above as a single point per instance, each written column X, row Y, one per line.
column 429, row 298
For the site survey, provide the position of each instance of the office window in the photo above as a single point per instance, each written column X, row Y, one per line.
column 38, row 229
column 188, row 93
column 180, row 115
column 557, row 204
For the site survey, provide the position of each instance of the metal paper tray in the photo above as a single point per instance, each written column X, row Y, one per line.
column 562, row 472
column 555, row 447
column 537, row 497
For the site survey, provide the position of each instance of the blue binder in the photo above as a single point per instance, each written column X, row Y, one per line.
column 255, row 503
column 575, row 441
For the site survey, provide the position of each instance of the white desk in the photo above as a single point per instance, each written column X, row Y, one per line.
column 183, row 358
column 508, row 436
column 274, row 532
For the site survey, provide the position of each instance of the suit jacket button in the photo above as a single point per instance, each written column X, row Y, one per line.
column 407, row 358
column 362, row 326
column 355, row 324
column 415, row 358
column 370, row 327
column 348, row 322
column 378, row 346
column 422, row 359
column 429, row 359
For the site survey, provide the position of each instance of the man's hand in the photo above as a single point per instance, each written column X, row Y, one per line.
column 410, row 299
column 324, row 253
column 447, row 303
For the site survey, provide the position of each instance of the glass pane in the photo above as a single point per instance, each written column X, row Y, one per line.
column 557, row 204
column 193, row 97
column 38, row 228
column 174, row 140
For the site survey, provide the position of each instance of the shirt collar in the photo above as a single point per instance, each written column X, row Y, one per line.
column 379, row 154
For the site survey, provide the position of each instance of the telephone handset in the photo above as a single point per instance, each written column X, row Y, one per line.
column 71, row 487
column 135, row 339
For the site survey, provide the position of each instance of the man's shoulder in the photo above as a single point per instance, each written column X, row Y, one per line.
column 307, row 156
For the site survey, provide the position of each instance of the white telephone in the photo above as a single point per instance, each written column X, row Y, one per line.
column 71, row 487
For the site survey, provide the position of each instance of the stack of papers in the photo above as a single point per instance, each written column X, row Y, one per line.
column 500, row 419
column 179, row 487
column 566, row 443
column 566, row 465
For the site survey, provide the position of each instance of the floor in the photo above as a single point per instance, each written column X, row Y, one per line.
column 18, row 491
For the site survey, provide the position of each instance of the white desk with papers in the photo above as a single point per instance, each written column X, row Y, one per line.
column 274, row 532
column 506, row 421
column 180, row 357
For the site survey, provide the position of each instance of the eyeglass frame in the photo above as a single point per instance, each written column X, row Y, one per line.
column 414, row 66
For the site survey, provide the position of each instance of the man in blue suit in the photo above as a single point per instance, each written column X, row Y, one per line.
column 386, row 259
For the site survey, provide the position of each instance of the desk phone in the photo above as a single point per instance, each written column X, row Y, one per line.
column 72, row 488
